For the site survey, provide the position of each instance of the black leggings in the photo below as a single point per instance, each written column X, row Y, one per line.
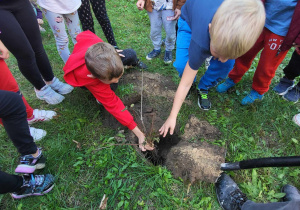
column 292, row 70
column 87, row 22
column 10, row 183
column 14, row 118
column 20, row 34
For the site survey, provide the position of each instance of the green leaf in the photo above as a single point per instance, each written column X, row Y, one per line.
column 295, row 140
column 279, row 195
column 120, row 204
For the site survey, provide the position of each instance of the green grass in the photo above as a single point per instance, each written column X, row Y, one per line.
column 85, row 174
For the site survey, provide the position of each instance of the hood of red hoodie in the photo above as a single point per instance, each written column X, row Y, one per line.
column 75, row 68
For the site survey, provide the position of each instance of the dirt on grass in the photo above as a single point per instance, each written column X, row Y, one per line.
column 192, row 155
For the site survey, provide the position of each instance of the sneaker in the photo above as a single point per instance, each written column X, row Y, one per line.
column 284, row 86
column 229, row 195
column 28, row 163
column 60, row 87
column 49, row 95
column 153, row 54
column 293, row 94
column 296, row 119
column 37, row 134
column 40, row 116
column 168, row 57
column 222, row 88
column 291, row 193
column 141, row 65
column 203, row 100
column 251, row 97
column 34, row 186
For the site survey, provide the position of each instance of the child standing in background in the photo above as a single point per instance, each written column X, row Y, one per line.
column 278, row 18
column 87, row 22
column 59, row 13
column 166, row 13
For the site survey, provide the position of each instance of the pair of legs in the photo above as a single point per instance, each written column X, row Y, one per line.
column 58, row 24
column 99, row 9
column 14, row 118
column 8, row 83
column 158, row 19
column 270, row 59
column 230, row 197
column 286, row 86
column 216, row 71
column 20, row 34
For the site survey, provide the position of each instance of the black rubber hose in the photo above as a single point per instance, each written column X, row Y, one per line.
column 262, row 162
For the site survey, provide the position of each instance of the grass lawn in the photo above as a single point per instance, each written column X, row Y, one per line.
column 85, row 174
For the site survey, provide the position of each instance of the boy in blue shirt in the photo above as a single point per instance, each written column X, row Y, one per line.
column 224, row 29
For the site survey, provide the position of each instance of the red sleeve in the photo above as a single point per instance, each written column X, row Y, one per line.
column 112, row 103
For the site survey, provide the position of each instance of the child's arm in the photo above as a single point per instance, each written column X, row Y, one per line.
column 4, row 54
column 142, row 144
column 140, row 4
column 182, row 90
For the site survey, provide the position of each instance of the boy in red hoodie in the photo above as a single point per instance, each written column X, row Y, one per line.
column 95, row 65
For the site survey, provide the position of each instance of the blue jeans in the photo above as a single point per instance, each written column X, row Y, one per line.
column 217, row 70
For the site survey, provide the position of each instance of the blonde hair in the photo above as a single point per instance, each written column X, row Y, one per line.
column 103, row 61
column 236, row 26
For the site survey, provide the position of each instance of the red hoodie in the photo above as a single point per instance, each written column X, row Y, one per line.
column 76, row 75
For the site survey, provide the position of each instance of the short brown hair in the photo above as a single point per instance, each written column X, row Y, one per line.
column 103, row 61
column 236, row 26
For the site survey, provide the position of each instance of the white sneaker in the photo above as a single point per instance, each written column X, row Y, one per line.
column 41, row 115
column 296, row 119
column 49, row 95
column 60, row 87
column 37, row 134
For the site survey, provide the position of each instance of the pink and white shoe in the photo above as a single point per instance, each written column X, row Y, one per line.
column 28, row 164
column 41, row 115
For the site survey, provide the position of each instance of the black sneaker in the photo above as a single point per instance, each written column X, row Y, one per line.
column 153, row 54
column 141, row 65
column 229, row 194
column 203, row 100
column 34, row 185
column 291, row 193
column 168, row 57
column 28, row 163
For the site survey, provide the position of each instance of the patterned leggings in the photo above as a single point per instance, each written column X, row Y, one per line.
column 58, row 24
column 87, row 22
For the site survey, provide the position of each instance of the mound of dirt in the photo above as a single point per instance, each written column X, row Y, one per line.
column 196, row 129
column 195, row 161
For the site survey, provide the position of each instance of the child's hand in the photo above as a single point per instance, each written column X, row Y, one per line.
column 143, row 145
column 169, row 124
column 140, row 4
column 4, row 54
column 177, row 14
column 40, row 21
